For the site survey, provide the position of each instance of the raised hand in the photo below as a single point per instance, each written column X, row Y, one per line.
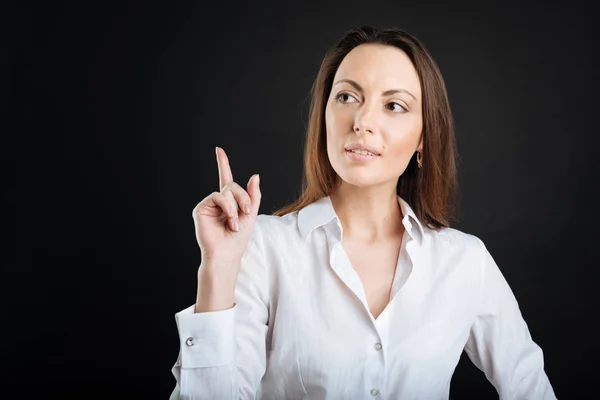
column 224, row 220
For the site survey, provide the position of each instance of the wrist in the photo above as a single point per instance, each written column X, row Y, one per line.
column 222, row 273
column 215, row 289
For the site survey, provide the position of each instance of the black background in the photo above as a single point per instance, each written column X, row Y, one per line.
column 110, row 117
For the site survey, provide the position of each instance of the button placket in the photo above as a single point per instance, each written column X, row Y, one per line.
column 376, row 364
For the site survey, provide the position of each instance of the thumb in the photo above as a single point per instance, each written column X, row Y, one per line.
column 253, row 189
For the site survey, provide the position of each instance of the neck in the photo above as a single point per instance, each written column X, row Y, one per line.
column 368, row 214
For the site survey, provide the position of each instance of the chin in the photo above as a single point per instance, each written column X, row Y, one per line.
column 359, row 180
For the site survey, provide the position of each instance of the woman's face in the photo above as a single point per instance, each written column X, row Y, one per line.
column 375, row 102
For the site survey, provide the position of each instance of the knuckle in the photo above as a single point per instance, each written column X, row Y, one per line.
column 233, row 207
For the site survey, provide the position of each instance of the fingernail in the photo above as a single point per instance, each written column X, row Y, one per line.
column 235, row 225
column 247, row 209
column 258, row 179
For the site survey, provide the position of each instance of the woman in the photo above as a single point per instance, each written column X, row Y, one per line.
column 360, row 288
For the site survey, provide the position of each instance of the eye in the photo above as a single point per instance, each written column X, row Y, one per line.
column 342, row 96
column 401, row 108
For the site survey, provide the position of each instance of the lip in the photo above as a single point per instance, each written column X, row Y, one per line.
column 362, row 146
column 359, row 157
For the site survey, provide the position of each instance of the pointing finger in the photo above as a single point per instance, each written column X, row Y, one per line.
column 225, row 175
column 254, row 192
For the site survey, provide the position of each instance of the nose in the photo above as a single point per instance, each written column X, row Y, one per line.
column 365, row 121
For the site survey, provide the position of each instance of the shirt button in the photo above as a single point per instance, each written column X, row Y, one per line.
column 377, row 346
column 190, row 341
column 374, row 392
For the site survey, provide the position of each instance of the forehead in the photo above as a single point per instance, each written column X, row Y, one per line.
column 380, row 67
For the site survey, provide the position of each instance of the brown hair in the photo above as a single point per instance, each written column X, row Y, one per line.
column 430, row 190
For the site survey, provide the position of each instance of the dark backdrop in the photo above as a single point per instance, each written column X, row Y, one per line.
column 110, row 116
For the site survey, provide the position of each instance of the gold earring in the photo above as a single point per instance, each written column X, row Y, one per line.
column 419, row 159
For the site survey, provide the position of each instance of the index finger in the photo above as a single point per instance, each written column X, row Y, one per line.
column 225, row 175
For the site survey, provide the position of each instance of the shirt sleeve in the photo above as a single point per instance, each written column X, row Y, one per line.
column 223, row 353
column 500, row 343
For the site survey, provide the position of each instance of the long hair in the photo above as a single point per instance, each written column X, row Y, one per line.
column 430, row 190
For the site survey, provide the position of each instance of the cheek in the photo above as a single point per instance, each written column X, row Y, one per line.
column 402, row 149
column 407, row 137
column 330, row 121
column 334, row 128
column 337, row 121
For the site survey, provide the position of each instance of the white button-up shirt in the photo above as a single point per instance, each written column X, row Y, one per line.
column 301, row 326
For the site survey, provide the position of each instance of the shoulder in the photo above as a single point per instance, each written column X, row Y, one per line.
column 272, row 228
column 276, row 238
column 462, row 253
column 270, row 223
column 454, row 240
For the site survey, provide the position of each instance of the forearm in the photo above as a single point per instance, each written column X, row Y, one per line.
column 216, row 286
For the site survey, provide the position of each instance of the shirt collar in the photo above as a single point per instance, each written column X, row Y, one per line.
column 321, row 212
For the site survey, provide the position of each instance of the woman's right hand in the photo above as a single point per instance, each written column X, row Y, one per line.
column 224, row 220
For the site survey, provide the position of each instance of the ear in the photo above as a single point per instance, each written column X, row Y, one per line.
column 420, row 146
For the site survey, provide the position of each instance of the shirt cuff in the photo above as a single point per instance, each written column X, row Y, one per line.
column 206, row 339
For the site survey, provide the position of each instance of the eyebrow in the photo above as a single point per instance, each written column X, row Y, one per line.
column 386, row 93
